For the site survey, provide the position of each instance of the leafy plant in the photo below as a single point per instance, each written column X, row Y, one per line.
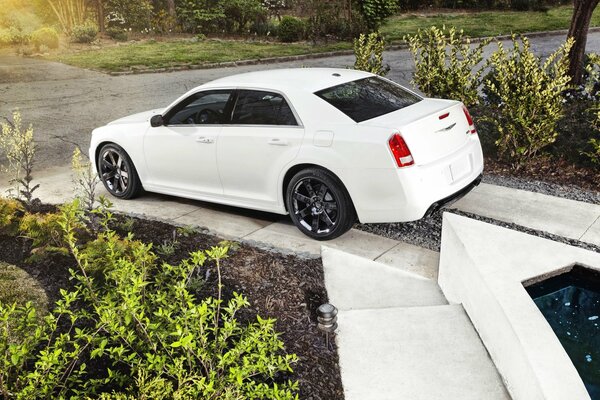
column 85, row 33
column 117, row 33
column 126, row 225
column 85, row 179
column 45, row 37
column 594, row 154
column 186, row 231
column 291, row 29
column 19, row 148
column 11, row 212
column 45, row 233
column 446, row 64
column 368, row 50
column 374, row 12
column 529, row 98
column 168, row 247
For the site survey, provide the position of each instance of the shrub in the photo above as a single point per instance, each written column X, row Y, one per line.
column 374, row 12
column 10, row 216
column 19, row 148
column 116, row 33
column 45, row 233
column 45, row 37
column 85, row 179
column 594, row 154
column 446, row 65
column 368, row 51
column 142, row 323
column 240, row 14
column 291, row 29
column 592, row 75
column 529, row 98
column 85, row 33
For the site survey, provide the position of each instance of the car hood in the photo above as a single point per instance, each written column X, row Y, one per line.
column 136, row 118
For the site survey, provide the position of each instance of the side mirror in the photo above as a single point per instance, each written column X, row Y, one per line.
column 157, row 120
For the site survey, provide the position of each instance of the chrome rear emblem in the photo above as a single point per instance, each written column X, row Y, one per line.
column 447, row 128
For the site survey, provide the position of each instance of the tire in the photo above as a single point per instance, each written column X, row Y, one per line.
column 117, row 172
column 319, row 205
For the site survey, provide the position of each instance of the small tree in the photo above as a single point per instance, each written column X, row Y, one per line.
column 69, row 13
column 19, row 148
column 580, row 25
column 446, row 64
column 529, row 98
column 368, row 50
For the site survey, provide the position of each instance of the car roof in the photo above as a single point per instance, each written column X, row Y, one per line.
column 305, row 79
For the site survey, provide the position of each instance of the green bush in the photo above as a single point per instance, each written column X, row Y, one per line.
column 291, row 29
column 11, row 212
column 84, row 33
column 116, row 33
column 45, row 233
column 529, row 98
column 374, row 12
column 45, row 37
column 144, row 324
column 368, row 50
column 446, row 64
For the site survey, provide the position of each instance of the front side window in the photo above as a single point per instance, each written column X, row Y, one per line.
column 254, row 107
column 203, row 108
column 368, row 98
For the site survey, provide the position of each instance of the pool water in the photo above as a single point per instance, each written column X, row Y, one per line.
column 570, row 303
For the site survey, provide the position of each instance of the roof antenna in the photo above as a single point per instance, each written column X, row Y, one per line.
column 336, row 74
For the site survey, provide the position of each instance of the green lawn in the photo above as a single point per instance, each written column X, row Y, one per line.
column 184, row 52
column 486, row 23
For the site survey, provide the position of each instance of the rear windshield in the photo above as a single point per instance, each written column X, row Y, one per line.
column 368, row 98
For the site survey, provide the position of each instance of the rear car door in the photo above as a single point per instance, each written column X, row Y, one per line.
column 182, row 155
column 264, row 135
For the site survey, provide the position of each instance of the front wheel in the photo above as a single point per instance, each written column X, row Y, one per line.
column 319, row 205
column 117, row 172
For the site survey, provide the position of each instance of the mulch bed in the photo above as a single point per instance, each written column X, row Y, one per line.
column 551, row 170
column 278, row 286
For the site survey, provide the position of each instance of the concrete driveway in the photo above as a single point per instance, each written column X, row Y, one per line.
column 65, row 103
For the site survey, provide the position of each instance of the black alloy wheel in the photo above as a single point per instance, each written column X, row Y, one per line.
column 319, row 204
column 117, row 172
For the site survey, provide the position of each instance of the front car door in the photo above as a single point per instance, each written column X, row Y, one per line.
column 264, row 135
column 181, row 155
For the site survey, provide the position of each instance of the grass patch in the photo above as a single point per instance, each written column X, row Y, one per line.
column 181, row 52
column 17, row 286
column 485, row 23
column 184, row 52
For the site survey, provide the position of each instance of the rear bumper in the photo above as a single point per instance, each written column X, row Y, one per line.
column 409, row 194
column 447, row 201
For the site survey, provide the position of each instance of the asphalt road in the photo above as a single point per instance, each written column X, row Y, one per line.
column 65, row 103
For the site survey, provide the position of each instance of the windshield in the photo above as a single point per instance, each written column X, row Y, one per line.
column 368, row 98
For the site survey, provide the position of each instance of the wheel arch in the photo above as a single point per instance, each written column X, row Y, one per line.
column 299, row 167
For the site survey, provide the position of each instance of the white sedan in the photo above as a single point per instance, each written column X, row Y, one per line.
column 327, row 146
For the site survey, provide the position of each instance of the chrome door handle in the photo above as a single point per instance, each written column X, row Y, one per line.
column 203, row 139
column 277, row 142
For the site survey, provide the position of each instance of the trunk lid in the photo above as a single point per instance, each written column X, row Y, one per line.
column 431, row 128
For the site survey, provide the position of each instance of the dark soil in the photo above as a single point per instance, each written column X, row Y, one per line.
column 287, row 288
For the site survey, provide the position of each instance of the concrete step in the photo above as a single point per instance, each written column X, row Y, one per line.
column 413, row 259
column 418, row 353
column 357, row 283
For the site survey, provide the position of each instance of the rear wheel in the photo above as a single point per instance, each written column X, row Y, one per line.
column 117, row 172
column 319, row 205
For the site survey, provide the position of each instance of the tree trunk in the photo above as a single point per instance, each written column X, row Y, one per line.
column 100, row 14
column 171, row 7
column 580, row 24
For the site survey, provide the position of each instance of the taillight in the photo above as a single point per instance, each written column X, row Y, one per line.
column 400, row 151
column 472, row 129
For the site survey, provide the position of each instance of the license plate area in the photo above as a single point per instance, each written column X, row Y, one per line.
column 460, row 168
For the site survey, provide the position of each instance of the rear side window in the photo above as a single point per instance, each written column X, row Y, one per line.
column 254, row 107
column 368, row 98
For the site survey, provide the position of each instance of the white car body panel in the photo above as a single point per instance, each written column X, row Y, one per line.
column 246, row 165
